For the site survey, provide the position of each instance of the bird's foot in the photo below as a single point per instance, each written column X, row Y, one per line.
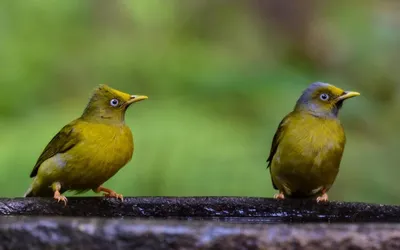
column 322, row 198
column 109, row 193
column 113, row 194
column 279, row 196
column 59, row 197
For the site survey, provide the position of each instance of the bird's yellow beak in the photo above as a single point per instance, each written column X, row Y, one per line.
column 136, row 98
column 347, row 95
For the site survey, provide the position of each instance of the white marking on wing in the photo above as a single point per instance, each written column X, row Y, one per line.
column 61, row 163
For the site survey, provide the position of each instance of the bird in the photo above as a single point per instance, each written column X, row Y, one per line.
column 87, row 151
column 308, row 145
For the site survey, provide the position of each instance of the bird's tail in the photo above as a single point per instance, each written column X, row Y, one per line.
column 29, row 193
column 38, row 191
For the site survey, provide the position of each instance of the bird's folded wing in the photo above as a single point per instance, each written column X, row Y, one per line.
column 63, row 141
column 277, row 138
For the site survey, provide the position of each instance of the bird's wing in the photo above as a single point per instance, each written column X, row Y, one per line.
column 277, row 138
column 275, row 142
column 63, row 141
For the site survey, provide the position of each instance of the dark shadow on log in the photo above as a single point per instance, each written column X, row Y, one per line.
column 92, row 233
column 230, row 209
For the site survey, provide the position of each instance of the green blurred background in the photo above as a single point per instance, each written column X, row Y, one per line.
column 220, row 76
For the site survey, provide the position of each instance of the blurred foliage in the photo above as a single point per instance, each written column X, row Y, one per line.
column 220, row 76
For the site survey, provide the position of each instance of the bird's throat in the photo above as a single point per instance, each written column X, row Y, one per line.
column 104, row 117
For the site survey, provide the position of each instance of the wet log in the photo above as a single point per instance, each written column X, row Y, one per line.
column 205, row 208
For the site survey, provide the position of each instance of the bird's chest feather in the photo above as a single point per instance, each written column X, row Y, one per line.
column 314, row 142
column 109, row 146
column 102, row 152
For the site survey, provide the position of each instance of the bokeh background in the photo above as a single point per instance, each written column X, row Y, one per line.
column 220, row 76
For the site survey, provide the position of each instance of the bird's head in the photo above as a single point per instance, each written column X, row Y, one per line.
column 108, row 105
column 323, row 99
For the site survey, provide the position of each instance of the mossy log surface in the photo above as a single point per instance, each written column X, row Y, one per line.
column 196, row 223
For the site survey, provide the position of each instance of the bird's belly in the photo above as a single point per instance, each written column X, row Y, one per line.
column 306, row 172
column 309, row 181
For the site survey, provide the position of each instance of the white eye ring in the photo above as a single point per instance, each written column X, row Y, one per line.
column 324, row 97
column 114, row 102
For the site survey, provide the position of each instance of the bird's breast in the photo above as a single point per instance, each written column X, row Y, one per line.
column 109, row 145
column 311, row 143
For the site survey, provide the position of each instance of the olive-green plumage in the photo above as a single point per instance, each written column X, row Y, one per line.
column 89, row 150
column 308, row 146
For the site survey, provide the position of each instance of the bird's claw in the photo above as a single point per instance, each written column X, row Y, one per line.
column 108, row 193
column 322, row 198
column 279, row 196
column 59, row 197
column 114, row 195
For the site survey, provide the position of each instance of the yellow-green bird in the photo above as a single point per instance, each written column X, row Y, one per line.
column 308, row 146
column 89, row 150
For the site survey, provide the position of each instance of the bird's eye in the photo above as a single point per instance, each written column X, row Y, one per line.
column 114, row 102
column 324, row 97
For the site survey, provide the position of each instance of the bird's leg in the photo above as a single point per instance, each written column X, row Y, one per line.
column 323, row 197
column 279, row 196
column 108, row 193
column 56, row 186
